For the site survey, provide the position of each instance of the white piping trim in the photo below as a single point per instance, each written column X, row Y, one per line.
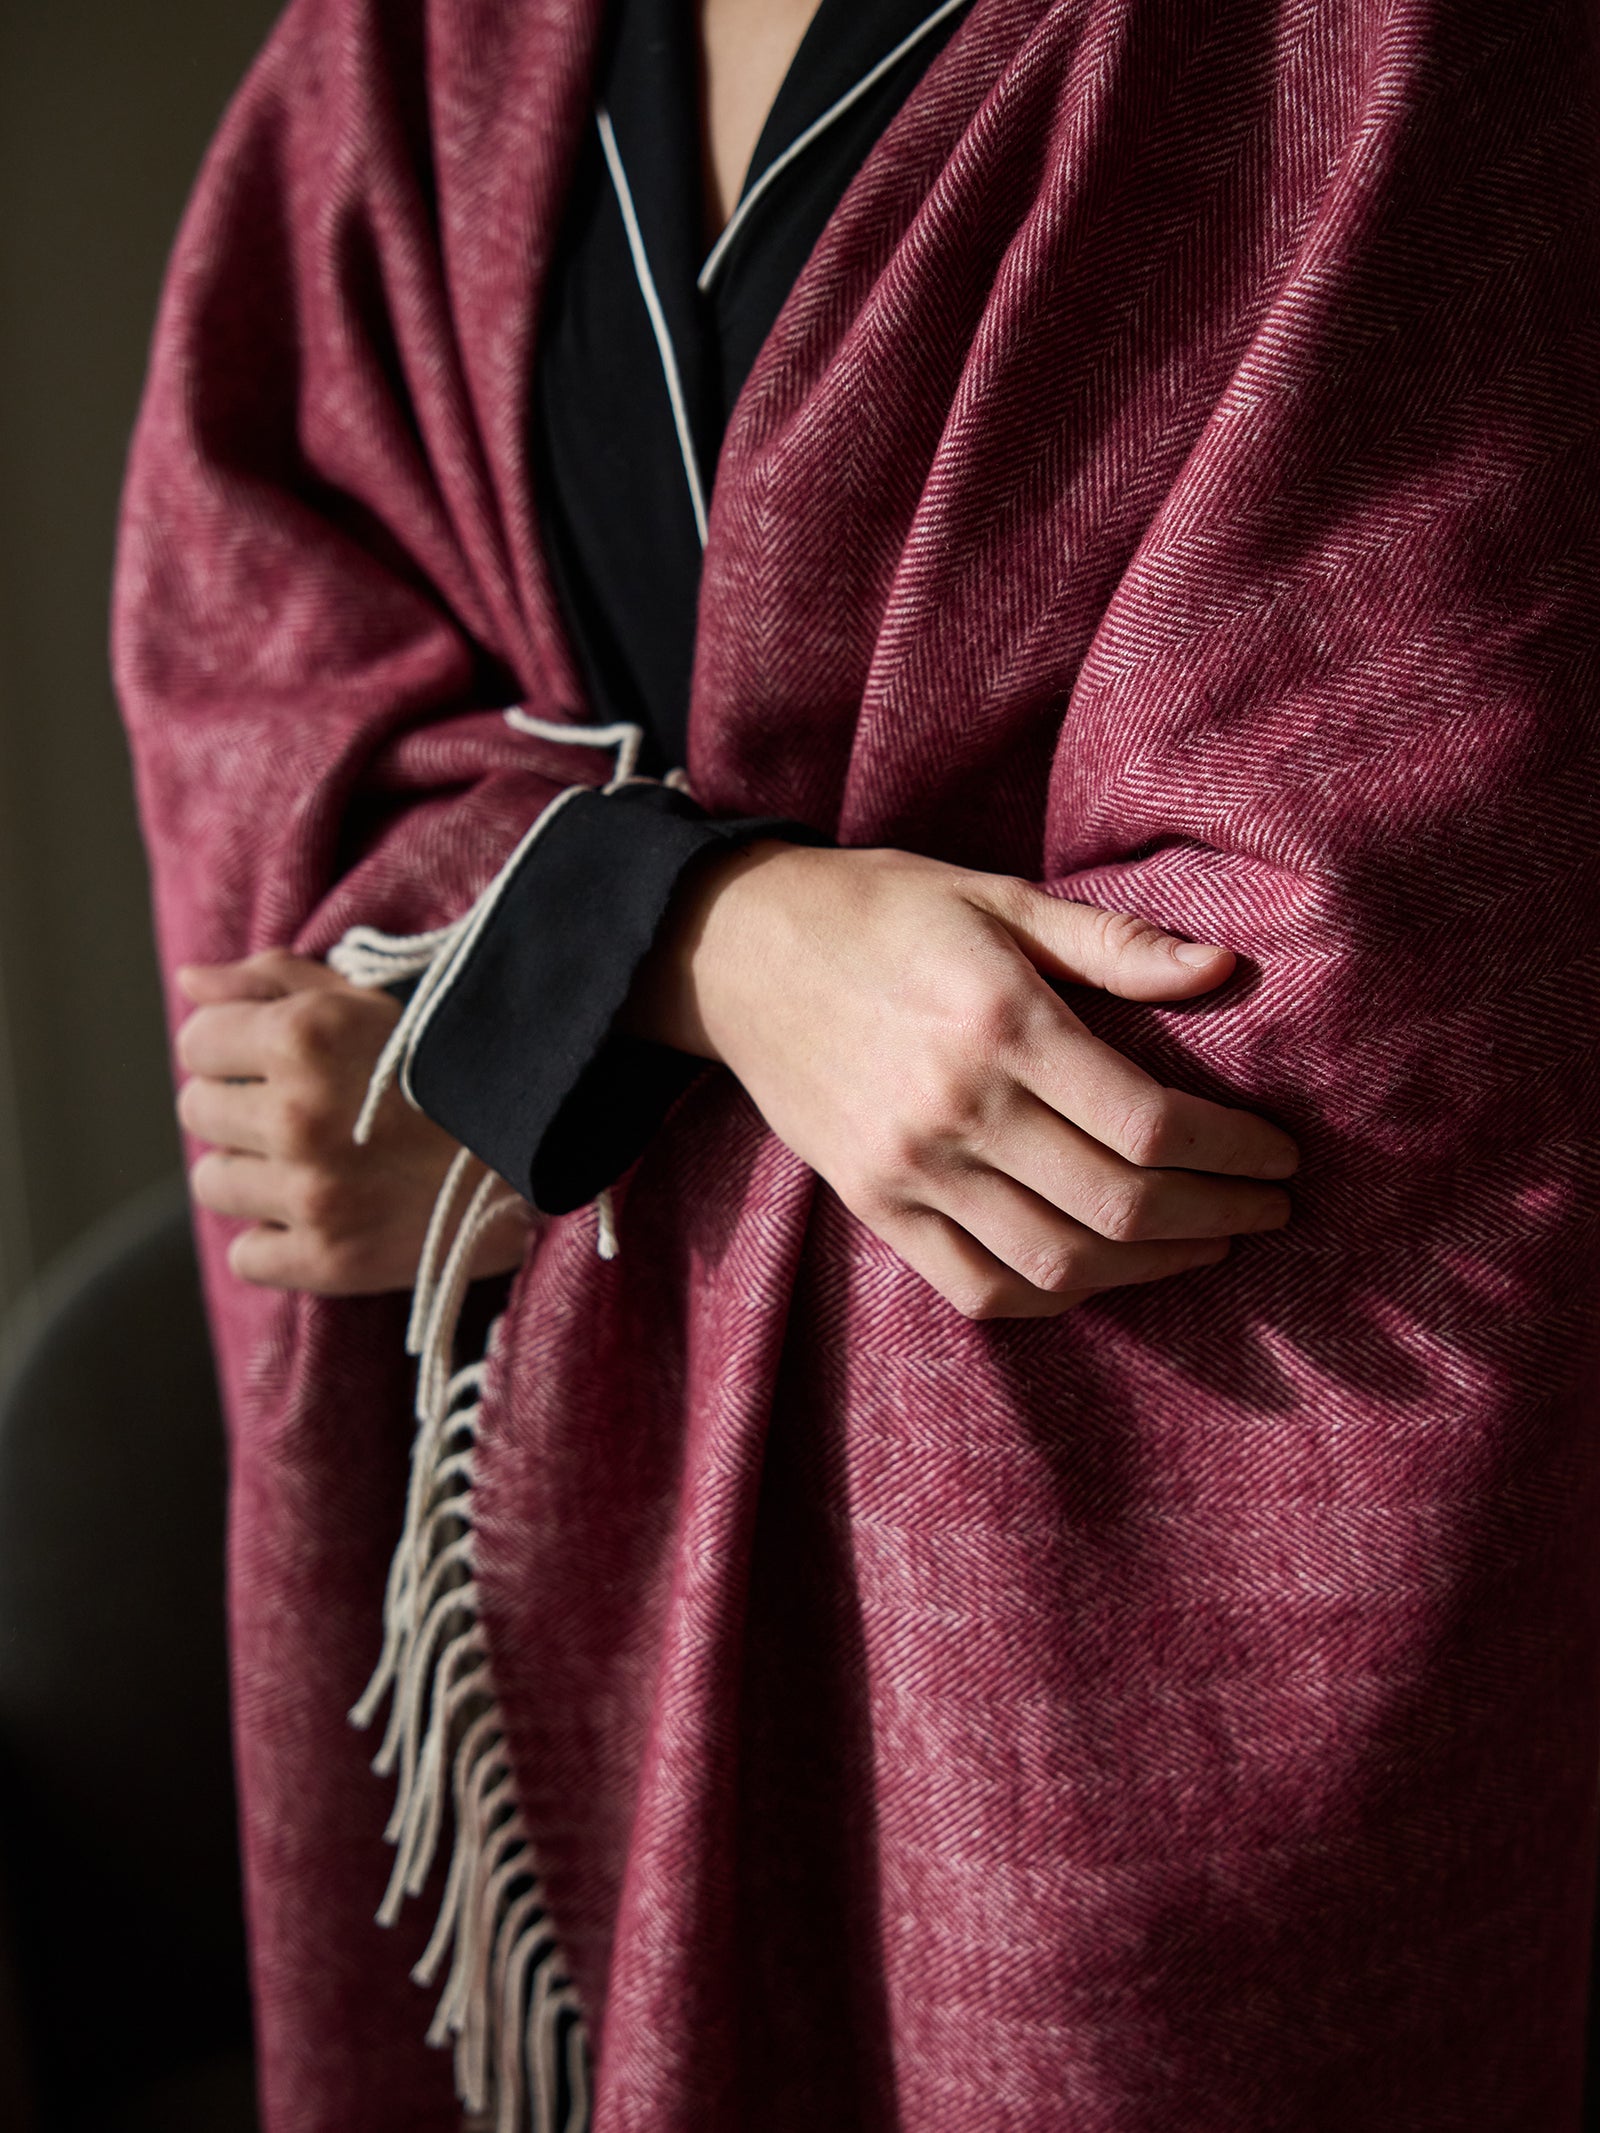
column 658, row 318
column 364, row 956
column 449, row 947
column 626, row 738
column 802, row 141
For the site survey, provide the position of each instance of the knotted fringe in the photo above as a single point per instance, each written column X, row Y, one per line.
column 521, row 2055
column 506, row 2003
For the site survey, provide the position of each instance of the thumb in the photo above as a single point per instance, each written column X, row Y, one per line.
column 1114, row 950
column 268, row 976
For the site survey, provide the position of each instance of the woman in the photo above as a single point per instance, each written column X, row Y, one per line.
column 850, row 1685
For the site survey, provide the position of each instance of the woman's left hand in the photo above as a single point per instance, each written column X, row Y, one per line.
column 279, row 1051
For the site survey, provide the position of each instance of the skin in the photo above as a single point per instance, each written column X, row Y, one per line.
column 745, row 50
column 278, row 1053
column 895, row 1020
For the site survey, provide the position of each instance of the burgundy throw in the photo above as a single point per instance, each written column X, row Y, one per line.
column 1175, row 478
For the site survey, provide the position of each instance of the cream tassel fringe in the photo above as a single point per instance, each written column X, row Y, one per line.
column 506, row 2004
column 521, row 2054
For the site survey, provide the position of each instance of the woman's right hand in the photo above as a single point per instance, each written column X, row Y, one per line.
column 891, row 1018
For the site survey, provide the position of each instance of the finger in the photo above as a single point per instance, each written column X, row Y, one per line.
column 1078, row 1174
column 228, row 1114
column 1114, row 950
column 245, row 1188
column 271, row 1257
column 1089, row 1082
column 230, row 1041
column 1050, row 1251
column 964, row 1273
column 297, row 1258
column 267, row 976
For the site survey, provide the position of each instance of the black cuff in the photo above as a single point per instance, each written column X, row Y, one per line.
column 518, row 1059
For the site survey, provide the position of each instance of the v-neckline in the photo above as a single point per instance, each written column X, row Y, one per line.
column 843, row 41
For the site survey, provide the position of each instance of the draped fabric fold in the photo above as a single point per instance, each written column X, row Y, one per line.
column 1174, row 477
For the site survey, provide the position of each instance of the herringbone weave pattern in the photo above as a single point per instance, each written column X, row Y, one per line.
column 1175, row 477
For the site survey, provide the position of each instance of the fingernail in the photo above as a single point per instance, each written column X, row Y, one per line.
column 1194, row 953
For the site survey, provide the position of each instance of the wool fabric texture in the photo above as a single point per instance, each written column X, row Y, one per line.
column 1174, row 478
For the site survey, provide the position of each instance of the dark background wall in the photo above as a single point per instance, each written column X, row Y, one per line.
column 115, row 1794
column 105, row 108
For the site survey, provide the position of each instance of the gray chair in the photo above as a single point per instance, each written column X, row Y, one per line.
column 119, row 1877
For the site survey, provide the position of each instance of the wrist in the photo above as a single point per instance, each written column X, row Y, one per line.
column 703, row 935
